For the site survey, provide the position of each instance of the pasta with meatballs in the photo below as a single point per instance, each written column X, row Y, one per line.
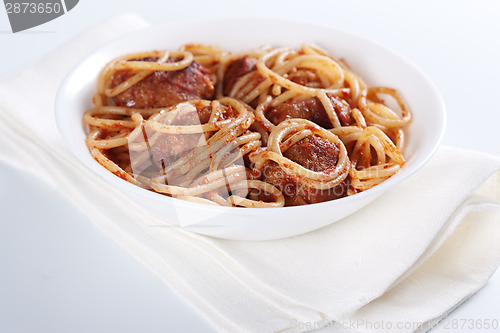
column 268, row 127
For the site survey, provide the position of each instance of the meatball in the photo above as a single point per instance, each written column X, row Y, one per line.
column 314, row 153
column 311, row 109
column 236, row 70
column 165, row 88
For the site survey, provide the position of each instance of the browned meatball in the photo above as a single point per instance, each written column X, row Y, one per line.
column 165, row 88
column 314, row 153
column 236, row 70
column 311, row 109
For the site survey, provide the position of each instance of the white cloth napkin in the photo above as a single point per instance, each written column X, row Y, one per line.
column 410, row 257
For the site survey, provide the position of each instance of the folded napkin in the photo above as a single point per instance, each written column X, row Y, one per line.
column 411, row 256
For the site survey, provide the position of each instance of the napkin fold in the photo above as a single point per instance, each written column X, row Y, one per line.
column 408, row 258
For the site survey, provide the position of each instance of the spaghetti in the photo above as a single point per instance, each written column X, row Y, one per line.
column 269, row 127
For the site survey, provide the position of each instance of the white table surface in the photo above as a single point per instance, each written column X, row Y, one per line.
column 60, row 274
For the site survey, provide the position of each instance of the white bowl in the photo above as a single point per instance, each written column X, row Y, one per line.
column 374, row 62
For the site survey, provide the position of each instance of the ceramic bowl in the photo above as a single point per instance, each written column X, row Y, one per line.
column 372, row 61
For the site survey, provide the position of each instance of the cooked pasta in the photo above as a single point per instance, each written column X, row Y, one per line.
column 268, row 127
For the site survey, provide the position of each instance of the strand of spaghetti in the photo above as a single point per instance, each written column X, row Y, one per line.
column 212, row 176
column 141, row 180
column 217, row 198
column 118, row 140
column 366, row 155
column 379, row 149
column 348, row 138
column 370, row 111
column 240, row 107
column 259, row 185
column 400, row 139
column 330, row 111
column 213, row 181
column 110, row 124
column 123, row 111
column 354, row 84
column 367, row 178
column 261, row 117
column 346, row 130
column 197, row 200
column 289, row 94
column 245, row 138
column 189, row 129
column 249, row 147
column 111, row 166
column 219, row 74
column 358, row 117
column 294, row 138
column 363, row 185
column 103, row 83
column 136, row 78
column 214, row 115
column 187, row 59
column 261, row 128
column 276, row 90
column 384, row 170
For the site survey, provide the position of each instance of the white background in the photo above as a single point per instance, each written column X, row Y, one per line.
column 59, row 274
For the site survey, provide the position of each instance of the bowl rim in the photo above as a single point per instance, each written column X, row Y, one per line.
column 402, row 175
